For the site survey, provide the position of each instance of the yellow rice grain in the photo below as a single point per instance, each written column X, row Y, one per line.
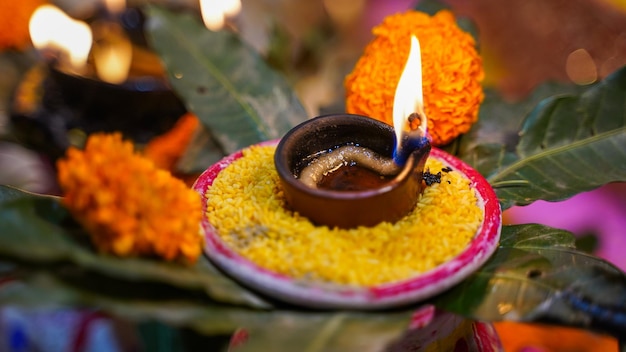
column 246, row 207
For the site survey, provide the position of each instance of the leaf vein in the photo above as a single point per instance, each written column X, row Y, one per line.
column 519, row 164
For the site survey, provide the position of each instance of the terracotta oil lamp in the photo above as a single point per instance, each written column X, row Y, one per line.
column 353, row 194
column 345, row 170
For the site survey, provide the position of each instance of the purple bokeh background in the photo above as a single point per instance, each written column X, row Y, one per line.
column 601, row 212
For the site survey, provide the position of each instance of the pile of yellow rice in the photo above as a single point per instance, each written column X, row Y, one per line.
column 247, row 208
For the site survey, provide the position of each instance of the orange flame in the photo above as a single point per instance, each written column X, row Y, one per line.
column 112, row 52
column 215, row 12
column 115, row 6
column 408, row 104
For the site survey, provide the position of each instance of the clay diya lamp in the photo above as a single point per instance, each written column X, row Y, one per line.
column 354, row 180
column 347, row 171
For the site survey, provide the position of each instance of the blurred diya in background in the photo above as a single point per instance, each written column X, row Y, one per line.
column 347, row 212
column 96, row 76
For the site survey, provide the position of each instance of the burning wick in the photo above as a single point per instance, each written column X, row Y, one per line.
column 409, row 118
column 347, row 156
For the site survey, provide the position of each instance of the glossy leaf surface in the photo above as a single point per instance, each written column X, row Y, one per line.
column 273, row 330
column 39, row 230
column 231, row 89
column 500, row 121
column 537, row 275
column 285, row 329
column 566, row 145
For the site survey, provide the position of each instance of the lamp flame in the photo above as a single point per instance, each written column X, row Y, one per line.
column 53, row 31
column 215, row 12
column 409, row 119
column 115, row 6
column 231, row 7
column 112, row 52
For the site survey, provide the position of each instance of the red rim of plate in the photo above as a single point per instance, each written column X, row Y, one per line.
column 317, row 295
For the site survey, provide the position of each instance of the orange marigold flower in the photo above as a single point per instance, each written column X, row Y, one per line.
column 166, row 149
column 128, row 205
column 451, row 72
column 14, row 17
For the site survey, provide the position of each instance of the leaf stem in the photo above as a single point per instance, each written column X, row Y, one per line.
column 510, row 183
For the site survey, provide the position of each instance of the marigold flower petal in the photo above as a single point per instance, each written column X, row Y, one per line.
column 166, row 149
column 128, row 205
column 451, row 72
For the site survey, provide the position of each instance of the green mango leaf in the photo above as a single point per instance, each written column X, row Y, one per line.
column 11, row 193
column 231, row 89
column 274, row 330
column 39, row 230
column 286, row 329
column 500, row 121
column 537, row 275
column 568, row 144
